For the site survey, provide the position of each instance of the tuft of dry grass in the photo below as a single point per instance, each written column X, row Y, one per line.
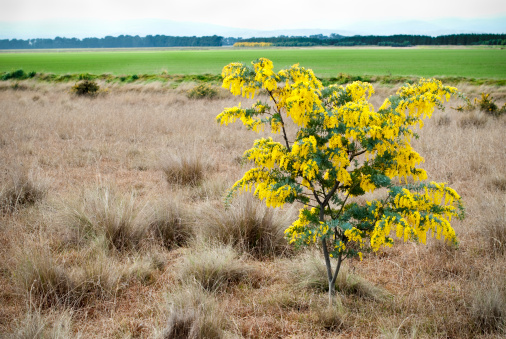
column 214, row 268
column 494, row 227
column 19, row 188
column 170, row 224
column 473, row 119
column 194, row 314
column 488, row 307
column 46, row 281
column 331, row 318
column 248, row 226
column 184, row 169
column 103, row 212
column 37, row 325
column 309, row 272
column 40, row 274
column 497, row 182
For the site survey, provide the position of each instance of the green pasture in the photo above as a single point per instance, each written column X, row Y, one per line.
column 326, row 62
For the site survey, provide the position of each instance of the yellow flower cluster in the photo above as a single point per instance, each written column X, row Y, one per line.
column 366, row 184
column 301, row 96
column 234, row 79
column 417, row 216
column 302, row 230
column 265, row 75
column 231, row 114
column 253, row 44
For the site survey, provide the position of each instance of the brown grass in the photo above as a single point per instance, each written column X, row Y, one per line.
column 19, row 188
column 109, row 236
column 214, row 268
column 247, row 225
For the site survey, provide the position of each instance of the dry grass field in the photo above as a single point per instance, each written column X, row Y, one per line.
column 112, row 225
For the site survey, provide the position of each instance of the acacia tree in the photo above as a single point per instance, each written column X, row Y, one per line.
column 342, row 149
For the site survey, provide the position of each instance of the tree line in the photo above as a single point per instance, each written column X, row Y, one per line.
column 122, row 41
column 128, row 41
column 399, row 40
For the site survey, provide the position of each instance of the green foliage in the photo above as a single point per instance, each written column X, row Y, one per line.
column 18, row 75
column 202, row 91
column 86, row 76
column 86, row 88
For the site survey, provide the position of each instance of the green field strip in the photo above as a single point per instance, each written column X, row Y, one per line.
column 326, row 62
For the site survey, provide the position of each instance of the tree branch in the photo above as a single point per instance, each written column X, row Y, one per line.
column 282, row 122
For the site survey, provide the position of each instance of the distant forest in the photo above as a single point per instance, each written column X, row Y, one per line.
column 400, row 40
column 128, row 41
column 122, row 41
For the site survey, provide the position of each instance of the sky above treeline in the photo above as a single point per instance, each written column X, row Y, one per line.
column 260, row 15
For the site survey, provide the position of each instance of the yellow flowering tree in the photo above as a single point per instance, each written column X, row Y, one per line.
column 342, row 148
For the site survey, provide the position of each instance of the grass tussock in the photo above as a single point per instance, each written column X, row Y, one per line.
column 248, row 226
column 184, row 169
column 125, row 222
column 309, row 272
column 473, row 119
column 47, row 282
column 331, row 318
column 194, row 314
column 214, row 268
column 103, row 212
column 169, row 224
column 18, row 189
column 497, row 183
column 51, row 326
column 94, row 276
column 488, row 307
column 494, row 227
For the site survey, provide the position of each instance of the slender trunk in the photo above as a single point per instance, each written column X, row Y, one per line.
column 331, row 274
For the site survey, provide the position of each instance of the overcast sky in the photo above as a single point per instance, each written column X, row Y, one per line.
column 257, row 14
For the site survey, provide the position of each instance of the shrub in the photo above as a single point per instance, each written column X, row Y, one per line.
column 86, row 88
column 485, row 104
column 85, row 76
column 18, row 74
column 341, row 151
column 202, row 91
column 248, row 227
